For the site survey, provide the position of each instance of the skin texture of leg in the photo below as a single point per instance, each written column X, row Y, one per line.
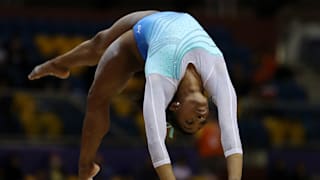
column 117, row 65
column 89, row 52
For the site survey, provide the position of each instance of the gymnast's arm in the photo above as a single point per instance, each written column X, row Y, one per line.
column 158, row 93
column 223, row 94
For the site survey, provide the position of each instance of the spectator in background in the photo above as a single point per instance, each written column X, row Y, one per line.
column 284, row 130
column 283, row 126
column 208, row 141
column 266, row 69
column 283, row 86
column 35, row 121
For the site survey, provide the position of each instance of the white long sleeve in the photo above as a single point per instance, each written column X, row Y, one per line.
column 216, row 80
column 159, row 91
column 219, row 86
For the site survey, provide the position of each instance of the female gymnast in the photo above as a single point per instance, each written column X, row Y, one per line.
column 181, row 62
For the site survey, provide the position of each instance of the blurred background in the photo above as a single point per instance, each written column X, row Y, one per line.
column 272, row 49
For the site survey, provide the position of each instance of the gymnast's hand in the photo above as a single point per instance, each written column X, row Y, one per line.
column 49, row 68
column 88, row 172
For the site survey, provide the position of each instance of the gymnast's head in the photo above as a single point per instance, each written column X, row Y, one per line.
column 188, row 113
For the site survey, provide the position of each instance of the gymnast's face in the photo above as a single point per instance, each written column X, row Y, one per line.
column 191, row 112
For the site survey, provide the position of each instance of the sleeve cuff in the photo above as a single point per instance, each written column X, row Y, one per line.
column 160, row 163
column 233, row 151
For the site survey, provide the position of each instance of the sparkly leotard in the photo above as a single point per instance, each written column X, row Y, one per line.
column 169, row 41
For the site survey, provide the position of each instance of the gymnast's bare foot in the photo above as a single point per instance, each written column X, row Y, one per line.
column 49, row 68
column 88, row 172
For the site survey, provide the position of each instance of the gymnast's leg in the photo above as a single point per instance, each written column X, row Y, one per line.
column 116, row 66
column 89, row 52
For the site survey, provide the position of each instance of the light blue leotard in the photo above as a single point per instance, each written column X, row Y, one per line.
column 164, row 38
column 169, row 41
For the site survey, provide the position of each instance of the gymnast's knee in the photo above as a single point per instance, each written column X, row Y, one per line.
column 96, row 101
